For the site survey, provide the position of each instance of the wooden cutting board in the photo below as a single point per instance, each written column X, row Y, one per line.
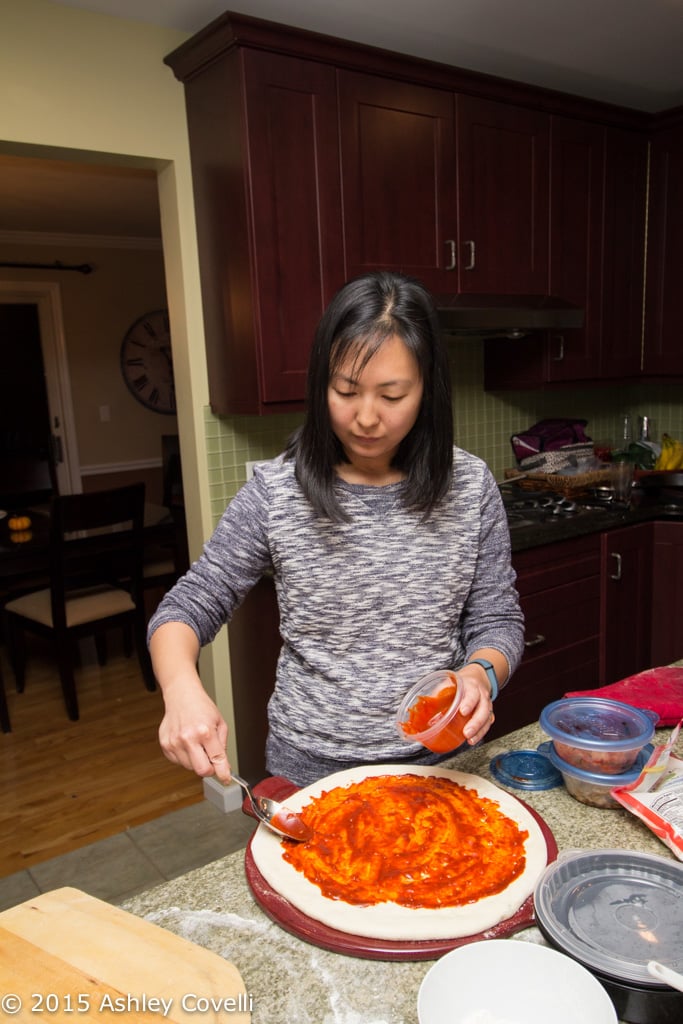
column 71, row 957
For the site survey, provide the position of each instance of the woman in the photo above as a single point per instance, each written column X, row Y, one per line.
column 389, row 551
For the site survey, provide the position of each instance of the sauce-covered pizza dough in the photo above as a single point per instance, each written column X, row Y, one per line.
column 507, row 823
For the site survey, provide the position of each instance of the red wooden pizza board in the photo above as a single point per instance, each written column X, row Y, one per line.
column 307, row 928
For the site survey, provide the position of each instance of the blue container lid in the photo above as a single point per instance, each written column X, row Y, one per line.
column 525, row 769
column 597, row 778
column 595, row 723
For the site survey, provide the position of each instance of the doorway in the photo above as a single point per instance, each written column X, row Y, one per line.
column 37, row 410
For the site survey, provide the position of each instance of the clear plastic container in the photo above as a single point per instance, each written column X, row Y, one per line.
column 596, row 734
column 594, row 788
column 612, row 910
column 429, row 713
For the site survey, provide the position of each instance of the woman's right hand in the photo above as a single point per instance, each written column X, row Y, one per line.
column 193, row 733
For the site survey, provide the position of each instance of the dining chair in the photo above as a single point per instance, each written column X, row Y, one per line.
column 96, row 558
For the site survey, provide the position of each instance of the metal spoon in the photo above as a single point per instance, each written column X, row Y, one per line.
column 275, row 816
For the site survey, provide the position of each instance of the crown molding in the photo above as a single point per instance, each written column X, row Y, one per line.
column 92, row 241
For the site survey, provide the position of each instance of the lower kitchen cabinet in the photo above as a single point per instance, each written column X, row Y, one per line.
column 597, row 609
column 667, row 592
column 626, row 601
column 559, row 589
column 254, row 637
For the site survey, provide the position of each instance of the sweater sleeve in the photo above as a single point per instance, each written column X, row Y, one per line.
column 233, row 560
column 492, row 616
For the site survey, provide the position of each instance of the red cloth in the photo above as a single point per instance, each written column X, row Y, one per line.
column 656, row 689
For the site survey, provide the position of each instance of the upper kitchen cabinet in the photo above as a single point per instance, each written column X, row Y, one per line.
column 577, row 169
column 458, row 200
column 623, row 265
column 503, row 197
column 663, row 353
column 598, row 198
column 398, row 172
column 265, row 166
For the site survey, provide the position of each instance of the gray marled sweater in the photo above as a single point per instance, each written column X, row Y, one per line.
column 366, row 607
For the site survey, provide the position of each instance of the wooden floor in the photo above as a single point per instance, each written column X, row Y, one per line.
column 66, row 784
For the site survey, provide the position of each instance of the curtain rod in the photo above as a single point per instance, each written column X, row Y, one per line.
column 81, row 268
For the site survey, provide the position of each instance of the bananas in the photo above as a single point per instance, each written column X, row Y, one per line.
column 671, row 456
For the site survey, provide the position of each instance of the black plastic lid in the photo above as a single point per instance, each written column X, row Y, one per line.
column 525, row 769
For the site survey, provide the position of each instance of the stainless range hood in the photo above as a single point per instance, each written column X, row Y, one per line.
column 510, row 316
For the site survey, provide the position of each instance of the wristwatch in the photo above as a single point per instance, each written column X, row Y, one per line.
column 490, row 672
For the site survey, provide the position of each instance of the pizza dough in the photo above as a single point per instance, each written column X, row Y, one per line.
column 390, row 920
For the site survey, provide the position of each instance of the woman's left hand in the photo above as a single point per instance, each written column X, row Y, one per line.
column 476, row 702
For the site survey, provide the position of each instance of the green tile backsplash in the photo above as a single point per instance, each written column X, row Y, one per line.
column 483, row 420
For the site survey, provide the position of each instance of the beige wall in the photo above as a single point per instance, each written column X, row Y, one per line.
column 97, row 309
column 83, row 86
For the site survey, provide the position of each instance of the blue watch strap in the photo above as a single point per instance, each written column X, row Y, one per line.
column 490, row 672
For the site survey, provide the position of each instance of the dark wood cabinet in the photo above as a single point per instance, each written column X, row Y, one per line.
column 667, row 592
column 265, row 165
column 316, row 159
column 503, row 197
column 254, row 637
column 626, row 602
column 577, row 169
column 663, row 349
column 398, row 173
column 597, row 253
column 559, row 589
column 623, row 264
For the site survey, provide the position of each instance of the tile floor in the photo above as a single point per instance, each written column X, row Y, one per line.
column 137, row 859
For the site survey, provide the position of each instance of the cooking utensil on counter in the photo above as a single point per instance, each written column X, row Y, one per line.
column 663, row 973
column 277, row 817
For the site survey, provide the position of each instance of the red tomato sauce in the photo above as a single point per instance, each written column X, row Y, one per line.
column 292, row 825
column 424, row 715
column 419, row 841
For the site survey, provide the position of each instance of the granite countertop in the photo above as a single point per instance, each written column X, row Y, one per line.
column 290, row 980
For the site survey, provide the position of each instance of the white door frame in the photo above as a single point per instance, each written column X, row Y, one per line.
column 47, row 296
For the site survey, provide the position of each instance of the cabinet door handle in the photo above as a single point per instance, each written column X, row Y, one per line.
column 536, row 642
column 452, row 262
column 560, row 351
column 616, row 575
column 473, row 252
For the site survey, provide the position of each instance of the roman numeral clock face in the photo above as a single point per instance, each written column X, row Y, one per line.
column 146, row 362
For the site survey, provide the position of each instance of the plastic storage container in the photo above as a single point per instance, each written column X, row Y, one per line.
column 429, row 713
column 611, row 910
column 596, row 734
column 594, row 788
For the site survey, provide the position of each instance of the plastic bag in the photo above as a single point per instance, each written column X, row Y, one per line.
column 549, row 435
column 656, row 797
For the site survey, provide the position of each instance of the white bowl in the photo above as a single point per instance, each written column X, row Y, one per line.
column 508, row 981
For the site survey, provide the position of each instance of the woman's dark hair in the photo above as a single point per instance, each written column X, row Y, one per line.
column 361, row 316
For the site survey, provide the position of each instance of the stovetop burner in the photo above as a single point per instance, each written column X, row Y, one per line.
column 528, row 508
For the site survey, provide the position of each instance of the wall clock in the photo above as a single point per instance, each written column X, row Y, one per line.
column 147, row 364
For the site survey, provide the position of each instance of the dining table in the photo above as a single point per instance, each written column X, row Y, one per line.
column 25, row 554
column 291, row 979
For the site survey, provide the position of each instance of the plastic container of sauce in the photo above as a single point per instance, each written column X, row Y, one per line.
column 429, row 713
